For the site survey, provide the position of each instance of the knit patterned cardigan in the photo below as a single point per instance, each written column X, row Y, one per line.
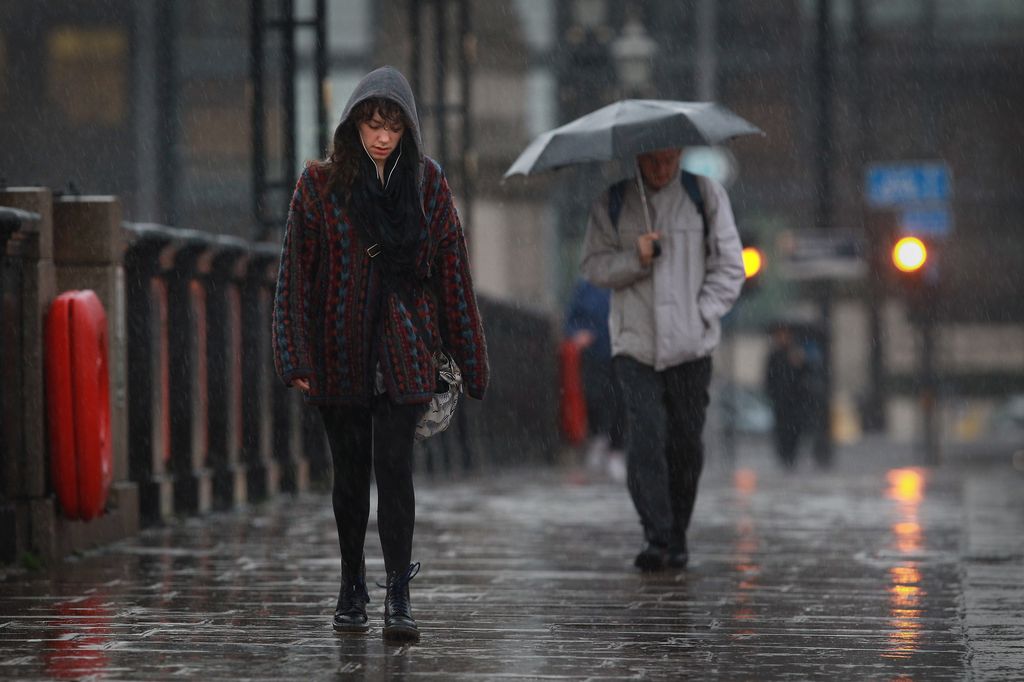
column 330, row 324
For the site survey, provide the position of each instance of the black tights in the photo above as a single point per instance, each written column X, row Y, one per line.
column 365, row 441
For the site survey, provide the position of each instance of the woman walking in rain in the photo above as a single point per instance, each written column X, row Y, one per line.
column 374, row 279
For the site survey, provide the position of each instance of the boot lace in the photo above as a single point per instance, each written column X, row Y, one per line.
column 398, row 590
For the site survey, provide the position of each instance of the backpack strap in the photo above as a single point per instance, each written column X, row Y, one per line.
column 616, row 197
column 692, row 188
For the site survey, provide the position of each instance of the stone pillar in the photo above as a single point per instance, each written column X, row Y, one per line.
column 88, row 250
column 25, row 448
column 13, row 535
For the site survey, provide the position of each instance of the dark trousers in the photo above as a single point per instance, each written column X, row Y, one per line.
column 788, row 429
column 376, row 441
column 604, row 413
column 665, row 414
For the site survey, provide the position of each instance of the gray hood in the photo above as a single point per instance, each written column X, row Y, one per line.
column 389, row 83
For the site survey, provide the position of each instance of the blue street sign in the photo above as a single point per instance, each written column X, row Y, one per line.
column 898, row 184
column 930, row 222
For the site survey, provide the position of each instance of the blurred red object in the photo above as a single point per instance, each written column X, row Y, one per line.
column 573, row 418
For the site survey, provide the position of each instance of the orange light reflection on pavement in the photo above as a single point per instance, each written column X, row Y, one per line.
column 746, row 546
column 906, row 487
column 908, row 536
column 905, row 618
column 745, row 481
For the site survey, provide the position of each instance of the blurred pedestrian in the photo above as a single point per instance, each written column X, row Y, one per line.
column 586, row 325
column 374, row 278
column 819, row 420
column 668, row 248
column 787, row 383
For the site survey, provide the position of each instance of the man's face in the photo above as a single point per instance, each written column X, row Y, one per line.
column 660, row 167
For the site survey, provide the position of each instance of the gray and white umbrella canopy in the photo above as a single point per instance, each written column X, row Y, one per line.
column 629, row 127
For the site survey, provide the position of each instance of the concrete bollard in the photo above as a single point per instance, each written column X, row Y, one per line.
column 29, row 288
column 88, row 250
column 13, row 532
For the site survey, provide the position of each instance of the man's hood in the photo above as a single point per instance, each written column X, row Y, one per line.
column 388, row 82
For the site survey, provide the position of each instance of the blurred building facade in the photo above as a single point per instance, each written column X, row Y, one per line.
column 152, row 101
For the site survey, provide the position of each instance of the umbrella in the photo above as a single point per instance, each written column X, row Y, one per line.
column 629, row 127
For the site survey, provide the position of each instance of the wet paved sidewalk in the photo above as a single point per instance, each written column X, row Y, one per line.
column 869, row 571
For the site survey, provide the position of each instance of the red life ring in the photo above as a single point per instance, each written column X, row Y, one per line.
column 78, row 403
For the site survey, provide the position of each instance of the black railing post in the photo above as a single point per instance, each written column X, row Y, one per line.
column 193, row 484
column 147, row 255
column 258, row 377
column 224, row 370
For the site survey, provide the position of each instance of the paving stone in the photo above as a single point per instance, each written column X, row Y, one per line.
column 867, row 571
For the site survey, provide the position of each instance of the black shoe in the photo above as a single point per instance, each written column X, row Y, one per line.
column 678, row 557
column 651, row 558
column 350, row 613
column 398, row 623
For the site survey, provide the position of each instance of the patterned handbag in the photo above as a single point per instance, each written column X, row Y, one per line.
column 442, row 406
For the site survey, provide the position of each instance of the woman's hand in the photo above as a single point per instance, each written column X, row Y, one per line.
column 302, row 384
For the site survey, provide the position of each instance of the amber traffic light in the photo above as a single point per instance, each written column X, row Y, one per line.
column 909, row 254
column 753, row 261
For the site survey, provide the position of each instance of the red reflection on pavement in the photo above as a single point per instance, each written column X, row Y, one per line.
column 77, row 648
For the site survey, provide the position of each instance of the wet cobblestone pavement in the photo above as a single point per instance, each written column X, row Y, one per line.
column 868, row 571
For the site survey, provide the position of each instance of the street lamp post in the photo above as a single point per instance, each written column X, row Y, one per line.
column 634, row 53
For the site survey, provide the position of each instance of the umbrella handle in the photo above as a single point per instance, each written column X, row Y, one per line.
column 643, row 197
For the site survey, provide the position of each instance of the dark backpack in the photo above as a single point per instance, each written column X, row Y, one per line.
column 617, row 193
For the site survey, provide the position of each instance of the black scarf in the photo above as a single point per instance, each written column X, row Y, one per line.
column 389, row 211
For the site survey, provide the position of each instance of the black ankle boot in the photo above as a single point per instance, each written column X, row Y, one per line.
column 651, row 558
column 398, row 623
column 350, row 613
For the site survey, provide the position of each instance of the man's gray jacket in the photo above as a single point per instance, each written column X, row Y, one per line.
column 669, row 312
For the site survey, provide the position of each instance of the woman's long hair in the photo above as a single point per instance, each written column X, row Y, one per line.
column 342, row 164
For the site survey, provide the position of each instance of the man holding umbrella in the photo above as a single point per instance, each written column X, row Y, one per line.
column 667, row 246
column 671, row 255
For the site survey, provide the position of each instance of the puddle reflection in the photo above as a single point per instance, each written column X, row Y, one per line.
column 906, row 487
column 352, row 657
column 745, row 547
column 81, row 633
